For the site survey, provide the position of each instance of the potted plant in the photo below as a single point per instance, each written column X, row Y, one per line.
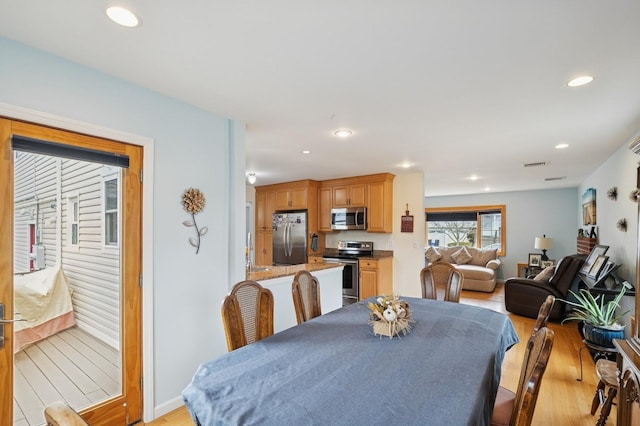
column 601, row 324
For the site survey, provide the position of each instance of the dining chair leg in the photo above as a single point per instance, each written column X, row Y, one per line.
column 606, row 408
column 597, row 397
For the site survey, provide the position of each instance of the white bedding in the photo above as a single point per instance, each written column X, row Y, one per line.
column 43, row 299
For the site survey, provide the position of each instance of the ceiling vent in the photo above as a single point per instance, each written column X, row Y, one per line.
column 554, row 178
column 635, row 145
column 537, row 164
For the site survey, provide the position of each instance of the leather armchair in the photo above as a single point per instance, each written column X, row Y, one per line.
column 523, row 296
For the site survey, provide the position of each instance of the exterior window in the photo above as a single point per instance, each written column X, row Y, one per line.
column 73, row 215
column 111, row 212
column 481, row 227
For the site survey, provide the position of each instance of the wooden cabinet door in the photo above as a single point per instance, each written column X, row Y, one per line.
column 368, row 282
column 375, row 212
column 358, row 195
column 324, row 210
column 264, row 248
column 341, row 196
column 298, row 198
column 282, row 199
column 265, row 206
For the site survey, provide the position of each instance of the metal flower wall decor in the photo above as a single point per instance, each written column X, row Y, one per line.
column 193, row 202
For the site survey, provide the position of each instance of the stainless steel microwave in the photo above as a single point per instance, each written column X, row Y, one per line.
column 349, row 218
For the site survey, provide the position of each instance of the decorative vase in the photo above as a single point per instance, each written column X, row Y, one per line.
column 602, row 336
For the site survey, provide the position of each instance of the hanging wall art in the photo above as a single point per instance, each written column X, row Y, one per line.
column 193, row 202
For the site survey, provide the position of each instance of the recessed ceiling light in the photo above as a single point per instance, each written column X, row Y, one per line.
column 122, row 16
column 306, row 151
column 487, row 189
column 562, row 146
column 343, row 133
column 405, row 165
column 473, row 177
column 580, row 81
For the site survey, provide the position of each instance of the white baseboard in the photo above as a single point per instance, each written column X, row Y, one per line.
column 167, row 407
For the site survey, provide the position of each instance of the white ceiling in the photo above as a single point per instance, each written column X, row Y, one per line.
column 454, row 87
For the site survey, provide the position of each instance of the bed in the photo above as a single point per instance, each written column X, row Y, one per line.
column 43, row 299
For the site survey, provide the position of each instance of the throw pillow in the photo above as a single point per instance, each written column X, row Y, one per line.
column 546, row 274
column 462, row 256
column 432, row 255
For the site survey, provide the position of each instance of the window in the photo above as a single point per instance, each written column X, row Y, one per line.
column 476, row 226
column 73, row 222
column 111, row 212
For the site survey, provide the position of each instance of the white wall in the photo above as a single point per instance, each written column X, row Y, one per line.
column 619, row 170
column 192, row 148
column 408, row 248
column 530, row 214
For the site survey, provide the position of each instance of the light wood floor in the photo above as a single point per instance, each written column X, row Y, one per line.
column 70, row 366
column 563, row 401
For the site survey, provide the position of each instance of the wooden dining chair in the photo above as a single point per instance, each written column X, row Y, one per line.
column 441, row 281
column 247, row 314
column 543, row 313
column 60, row 414
column 305, row 290
column 516, row 408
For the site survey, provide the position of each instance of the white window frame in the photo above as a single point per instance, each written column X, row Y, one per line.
column 110, row 173
column 73, row 198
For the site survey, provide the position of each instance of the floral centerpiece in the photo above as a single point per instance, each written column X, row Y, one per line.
column 389, row 316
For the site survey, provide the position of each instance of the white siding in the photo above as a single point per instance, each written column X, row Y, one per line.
column 93, row 270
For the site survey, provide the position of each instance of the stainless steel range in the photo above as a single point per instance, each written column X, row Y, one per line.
column 348, row 253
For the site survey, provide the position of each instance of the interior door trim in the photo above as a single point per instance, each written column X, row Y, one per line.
column 148, row 144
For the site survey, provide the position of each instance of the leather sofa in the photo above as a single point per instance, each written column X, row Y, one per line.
column 479, row 268
column 523, row 296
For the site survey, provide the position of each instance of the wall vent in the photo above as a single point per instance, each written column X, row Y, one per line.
column 549, row 179
column 635, row 145
column 536, row 164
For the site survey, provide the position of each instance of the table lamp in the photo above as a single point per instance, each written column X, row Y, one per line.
column 543, row 243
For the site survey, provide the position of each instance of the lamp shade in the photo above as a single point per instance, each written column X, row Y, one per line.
column 543, row 243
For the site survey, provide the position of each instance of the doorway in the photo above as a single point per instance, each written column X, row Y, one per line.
column 116, row 205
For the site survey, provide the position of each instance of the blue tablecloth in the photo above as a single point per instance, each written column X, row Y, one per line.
column 333, row 370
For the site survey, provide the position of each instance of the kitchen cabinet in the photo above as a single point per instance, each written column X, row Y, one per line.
column 350, row 195
column 263, row 248
column 265, row 206
column 376, row 277
column 298, row 195
column 324, row 209
column 380, row 208
column 372, row 191
column 291, row 198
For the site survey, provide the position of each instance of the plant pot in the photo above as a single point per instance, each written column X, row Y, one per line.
column 602, row 336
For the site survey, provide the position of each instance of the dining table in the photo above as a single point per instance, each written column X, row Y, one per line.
column 333, row 370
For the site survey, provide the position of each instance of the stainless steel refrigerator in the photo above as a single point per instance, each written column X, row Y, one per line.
column 290, row 237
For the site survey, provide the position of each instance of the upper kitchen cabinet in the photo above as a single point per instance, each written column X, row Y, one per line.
column 350, row 195
column 380, row 208
column 294, row 197
column 372, row 191
column 265, row 207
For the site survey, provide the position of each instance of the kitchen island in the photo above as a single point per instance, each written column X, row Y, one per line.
column 278, row 279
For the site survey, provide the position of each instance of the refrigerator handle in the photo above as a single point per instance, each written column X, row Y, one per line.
column 284, row 239
column 289, row 245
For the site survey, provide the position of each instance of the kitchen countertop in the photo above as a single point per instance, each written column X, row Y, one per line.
column 290, row 270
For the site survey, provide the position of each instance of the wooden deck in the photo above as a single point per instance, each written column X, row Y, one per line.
column 71, row 366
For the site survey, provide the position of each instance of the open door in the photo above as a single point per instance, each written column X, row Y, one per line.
column 87, row 216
